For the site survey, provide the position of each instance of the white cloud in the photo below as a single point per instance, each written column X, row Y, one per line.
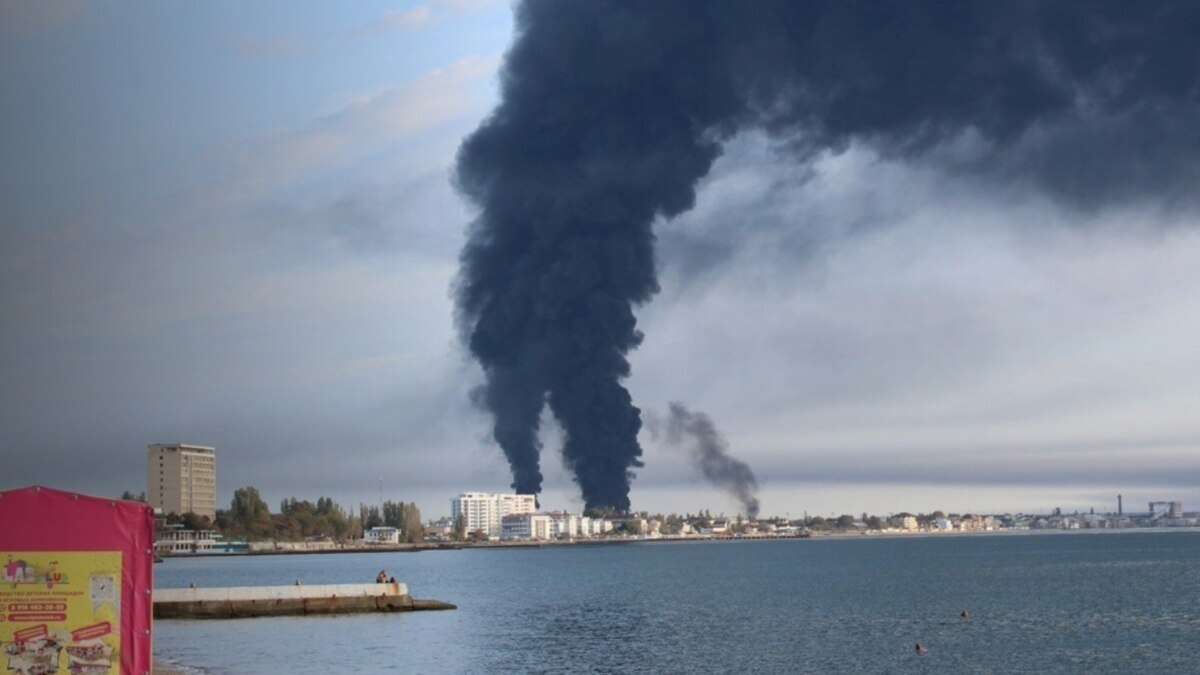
column 363, row 127
column 396, row 20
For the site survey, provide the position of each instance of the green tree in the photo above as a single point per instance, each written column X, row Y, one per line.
column 370, row 516
column 191, row 521
column 393, row 514
column 410, row 518
column 249, row 514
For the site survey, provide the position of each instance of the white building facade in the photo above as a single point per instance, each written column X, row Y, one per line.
column 382, row 535
column 566, row 525
column 485, row 511
column 537, row 526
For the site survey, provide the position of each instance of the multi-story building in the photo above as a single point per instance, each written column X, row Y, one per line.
column 566, row 525
column 526, row 526
column 182, row 478
column 594, row 527
column 485, row 511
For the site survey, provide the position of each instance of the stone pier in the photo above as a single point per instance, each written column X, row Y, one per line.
column 249, row 601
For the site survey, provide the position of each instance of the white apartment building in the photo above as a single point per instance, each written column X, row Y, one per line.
column 527, row 526
column 565, row 524
column 905, row 522
column 485, row 511
column 594, row 527
column 182, row 478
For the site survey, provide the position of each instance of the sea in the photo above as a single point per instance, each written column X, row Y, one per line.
column 1041, row 603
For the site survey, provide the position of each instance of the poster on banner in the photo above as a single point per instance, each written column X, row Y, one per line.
column 60, row 612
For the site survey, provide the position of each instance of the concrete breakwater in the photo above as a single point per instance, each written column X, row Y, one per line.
column 250, row 601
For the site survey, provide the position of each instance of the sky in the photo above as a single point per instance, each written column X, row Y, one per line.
column 236, row 225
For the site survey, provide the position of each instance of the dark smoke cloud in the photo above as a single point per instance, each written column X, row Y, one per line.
column 711, row 454
column 611, row 112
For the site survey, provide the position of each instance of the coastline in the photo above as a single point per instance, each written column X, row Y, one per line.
column 613, row 541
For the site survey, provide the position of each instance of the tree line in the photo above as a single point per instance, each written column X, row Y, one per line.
column 248, row 517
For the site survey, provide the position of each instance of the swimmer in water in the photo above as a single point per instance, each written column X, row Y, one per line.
column 921, row 650
column 966, row 616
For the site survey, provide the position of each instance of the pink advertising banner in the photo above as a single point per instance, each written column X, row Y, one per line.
column 76, row 576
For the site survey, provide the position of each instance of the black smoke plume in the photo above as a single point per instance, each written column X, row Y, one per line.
column 711, row 454
column 611, row 111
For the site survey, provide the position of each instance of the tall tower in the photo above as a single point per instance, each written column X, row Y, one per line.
column 182, row 478
column 1120, row 509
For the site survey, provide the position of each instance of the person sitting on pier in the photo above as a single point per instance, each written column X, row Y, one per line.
column 382, row 577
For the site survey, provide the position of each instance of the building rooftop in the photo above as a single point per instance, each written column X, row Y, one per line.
column 184, row 446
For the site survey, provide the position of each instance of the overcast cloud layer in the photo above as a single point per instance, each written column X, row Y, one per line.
column 242, row 233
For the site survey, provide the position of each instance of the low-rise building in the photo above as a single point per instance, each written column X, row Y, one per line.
column 382, row 535
column 176, row 540
column 521, row 526
column 440, row 528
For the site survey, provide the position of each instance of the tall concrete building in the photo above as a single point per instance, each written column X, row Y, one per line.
column 182, row 478
column 485, row 511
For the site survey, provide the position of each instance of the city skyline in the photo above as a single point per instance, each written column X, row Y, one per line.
column 271, row 278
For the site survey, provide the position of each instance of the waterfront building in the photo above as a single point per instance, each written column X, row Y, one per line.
column 442, row 527
column 905, row 522
column 716, row 527
column 182, row 478
column 972, row 523
column 485, row 511
column 176, row 540
column 594, row 527
column 526, row 526
column 566, row 525
column 382, row 535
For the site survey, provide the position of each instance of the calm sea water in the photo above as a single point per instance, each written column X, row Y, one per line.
column 1071, row 603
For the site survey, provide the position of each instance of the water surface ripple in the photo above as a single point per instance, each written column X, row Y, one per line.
column 1072, row 603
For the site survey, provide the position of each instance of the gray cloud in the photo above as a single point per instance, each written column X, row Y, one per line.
column 878, row 329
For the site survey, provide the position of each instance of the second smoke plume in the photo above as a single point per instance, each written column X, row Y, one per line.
column 711, row 452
